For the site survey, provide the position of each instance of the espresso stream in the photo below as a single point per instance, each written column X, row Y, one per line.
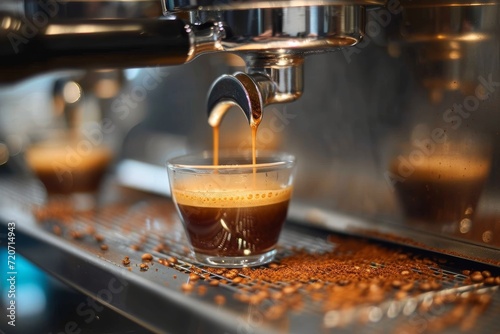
column 215, row 131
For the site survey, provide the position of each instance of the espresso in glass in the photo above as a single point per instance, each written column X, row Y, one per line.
column 233, row 212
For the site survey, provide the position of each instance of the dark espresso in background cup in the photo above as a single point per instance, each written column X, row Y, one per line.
column 442, row 187
column 233, row 212
column 63, row 170
column 70, row 168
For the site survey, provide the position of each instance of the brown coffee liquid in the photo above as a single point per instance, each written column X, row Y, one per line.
column 216, row 144
column 233, row 223
column 215, row 131
column 442, row 189
column 61, row 175
column 254, row 127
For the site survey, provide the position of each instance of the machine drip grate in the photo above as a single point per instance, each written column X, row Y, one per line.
column 150, row 225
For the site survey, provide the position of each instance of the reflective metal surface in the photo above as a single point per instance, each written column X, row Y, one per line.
column 271, row 79
column 441, row 36
column 288, row 30
column 183, row 5
column 90, row 9
column 30, row 47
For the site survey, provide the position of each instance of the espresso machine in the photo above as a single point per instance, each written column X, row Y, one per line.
column 391, row 108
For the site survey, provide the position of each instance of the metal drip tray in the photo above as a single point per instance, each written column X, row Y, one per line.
column 88, row 251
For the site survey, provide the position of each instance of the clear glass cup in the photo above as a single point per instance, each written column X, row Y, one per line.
column 71, row 168
column 232, row 212
column 440, row 182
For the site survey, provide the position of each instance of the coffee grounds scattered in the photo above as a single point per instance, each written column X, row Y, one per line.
column 126, row 261
column 357, row 273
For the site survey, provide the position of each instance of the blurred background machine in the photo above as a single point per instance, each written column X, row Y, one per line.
column 390, row 107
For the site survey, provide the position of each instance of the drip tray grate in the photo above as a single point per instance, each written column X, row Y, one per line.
column 317, row 282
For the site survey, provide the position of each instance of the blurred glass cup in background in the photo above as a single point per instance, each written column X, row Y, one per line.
column 442, row 183
column 70, row 167
column 71, row 156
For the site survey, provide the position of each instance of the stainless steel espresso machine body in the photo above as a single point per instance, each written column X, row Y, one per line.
column 391, row 108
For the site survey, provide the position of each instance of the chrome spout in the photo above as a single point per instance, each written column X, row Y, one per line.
column 238, row 90
column 269, row 79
